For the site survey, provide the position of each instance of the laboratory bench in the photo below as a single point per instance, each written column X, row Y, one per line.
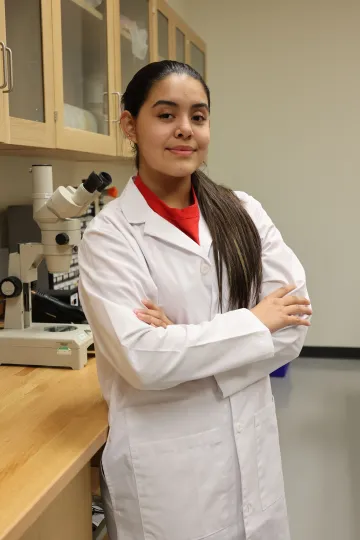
column 52, row 423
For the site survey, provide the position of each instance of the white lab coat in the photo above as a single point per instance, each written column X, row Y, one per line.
column 193, row 448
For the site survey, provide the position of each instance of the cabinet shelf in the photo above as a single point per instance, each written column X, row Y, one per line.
column 89, row 9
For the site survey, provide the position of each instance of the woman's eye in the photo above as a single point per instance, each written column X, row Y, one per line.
column 166, row 116
column 199, row 118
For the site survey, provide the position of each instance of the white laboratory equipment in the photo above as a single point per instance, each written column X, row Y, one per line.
column 23, row 342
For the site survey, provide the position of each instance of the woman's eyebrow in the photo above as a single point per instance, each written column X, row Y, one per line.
column 200, row 106
column 165, row 102
column 173, row 104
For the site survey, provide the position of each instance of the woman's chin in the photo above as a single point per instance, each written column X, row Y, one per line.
column 182, row 169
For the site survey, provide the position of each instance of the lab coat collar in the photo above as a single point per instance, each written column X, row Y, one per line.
column 137, row 211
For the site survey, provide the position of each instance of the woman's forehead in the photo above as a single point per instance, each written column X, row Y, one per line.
column 178, row 88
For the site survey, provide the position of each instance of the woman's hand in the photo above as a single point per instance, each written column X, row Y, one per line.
column 152, row 315
column 278, row 310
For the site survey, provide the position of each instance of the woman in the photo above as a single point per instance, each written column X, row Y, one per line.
column 193, row 449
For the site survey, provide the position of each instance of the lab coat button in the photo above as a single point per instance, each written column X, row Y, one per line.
column 204, row 268
column 247, row 509
column 239, row 428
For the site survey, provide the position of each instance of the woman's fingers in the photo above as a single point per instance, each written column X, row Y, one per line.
column 286, row 299
column 154, row 311
column 298, row 310
column 295, row 300
column 298, row 321
column 152, row 315
column 282, row 291
column 157, row 314
column 150, row 319
column 149, row 304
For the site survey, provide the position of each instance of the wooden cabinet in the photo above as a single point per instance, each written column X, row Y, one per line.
column 64, row 65
column 27, row 101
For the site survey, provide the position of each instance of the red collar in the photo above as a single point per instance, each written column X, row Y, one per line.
column 185, row 219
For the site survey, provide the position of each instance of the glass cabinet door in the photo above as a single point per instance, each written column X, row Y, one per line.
column 197, row 59
column 163, row 36
column 29, row 75
column 163, row 26
column 4, row 125
column 180, row 45
column 85, row 65
column 23, row 36
column 134, row 38
column 132, row 51
column 84, row 75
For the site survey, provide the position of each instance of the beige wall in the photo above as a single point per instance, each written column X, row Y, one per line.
column 286, row 127
column 181, row 7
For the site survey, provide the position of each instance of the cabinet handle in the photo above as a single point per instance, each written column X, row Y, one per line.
column 3, row 49
column 11, row 71
column 105, row 109
column 117, row 121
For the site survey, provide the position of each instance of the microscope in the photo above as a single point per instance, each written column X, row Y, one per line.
column 23, row 342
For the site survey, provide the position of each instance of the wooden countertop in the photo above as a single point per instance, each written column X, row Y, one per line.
column 52, row 421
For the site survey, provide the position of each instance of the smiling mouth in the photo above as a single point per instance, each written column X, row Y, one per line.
column 182, row 151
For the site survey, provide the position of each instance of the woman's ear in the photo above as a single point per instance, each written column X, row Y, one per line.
column 128, row 125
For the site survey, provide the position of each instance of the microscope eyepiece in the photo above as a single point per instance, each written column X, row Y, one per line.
column 97, row 182
column 106, row 181
column 92, row 182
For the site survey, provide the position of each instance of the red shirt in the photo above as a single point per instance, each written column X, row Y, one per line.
column 185, row 219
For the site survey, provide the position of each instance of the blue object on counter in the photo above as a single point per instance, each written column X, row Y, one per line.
column 281, row 372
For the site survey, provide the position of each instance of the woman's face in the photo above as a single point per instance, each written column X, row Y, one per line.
column 172, row 129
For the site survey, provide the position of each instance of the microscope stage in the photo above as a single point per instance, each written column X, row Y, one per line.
column 55, row 345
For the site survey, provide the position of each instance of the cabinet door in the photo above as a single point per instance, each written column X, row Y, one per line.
column 30, row 87
column 132, row 50
column 4, row 117
column 180, row 45
column 84, row 69
column 178, row 31
column 161, row 17
column 196, row 53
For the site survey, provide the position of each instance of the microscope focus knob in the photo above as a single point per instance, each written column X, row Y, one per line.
column 11, row 287
column 62, row 239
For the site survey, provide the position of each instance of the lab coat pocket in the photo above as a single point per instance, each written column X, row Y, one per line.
column 184, row 486
column 271, row 483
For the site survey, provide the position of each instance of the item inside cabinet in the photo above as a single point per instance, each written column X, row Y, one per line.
column 138, row 37
column 134, row 24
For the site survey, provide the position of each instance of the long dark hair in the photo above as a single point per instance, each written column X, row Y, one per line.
column 236, row 241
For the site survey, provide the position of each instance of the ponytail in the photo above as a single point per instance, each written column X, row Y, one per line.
column 236, row 242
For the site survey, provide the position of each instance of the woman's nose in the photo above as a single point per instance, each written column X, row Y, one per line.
column 184, row 130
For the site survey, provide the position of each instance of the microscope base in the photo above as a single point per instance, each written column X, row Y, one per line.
column 53, row 345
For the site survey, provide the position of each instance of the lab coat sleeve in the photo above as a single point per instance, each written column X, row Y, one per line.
column 280, row 267
column 114, row 279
